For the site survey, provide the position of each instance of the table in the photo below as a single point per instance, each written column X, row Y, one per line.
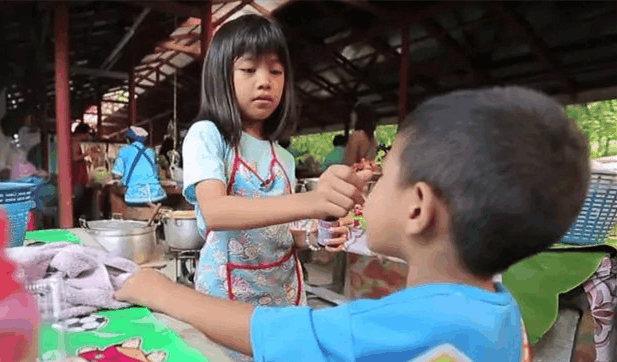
column 587, row 272
column 181, row 341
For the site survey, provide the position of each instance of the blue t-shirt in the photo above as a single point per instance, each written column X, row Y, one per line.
column 449, row 320
column 207, row 156
column 144, row 185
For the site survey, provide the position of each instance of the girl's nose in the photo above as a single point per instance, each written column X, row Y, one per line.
column 264, row 79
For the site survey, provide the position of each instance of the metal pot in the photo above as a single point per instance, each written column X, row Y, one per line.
column 129, row 239
column 181, row 230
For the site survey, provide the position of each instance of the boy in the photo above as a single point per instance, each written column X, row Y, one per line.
column 475, row 181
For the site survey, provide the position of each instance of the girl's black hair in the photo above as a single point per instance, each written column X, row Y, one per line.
column 366, row 119
column 248, row 34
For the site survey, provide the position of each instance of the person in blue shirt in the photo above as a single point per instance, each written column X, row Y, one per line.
column 137, row 168
column 476, row 180
column 337, row 155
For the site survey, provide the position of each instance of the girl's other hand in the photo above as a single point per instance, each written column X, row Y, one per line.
column 338, row 190
column 340, row 235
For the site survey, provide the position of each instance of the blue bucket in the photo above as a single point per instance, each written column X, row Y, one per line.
column 16, row 200
column 598, row 214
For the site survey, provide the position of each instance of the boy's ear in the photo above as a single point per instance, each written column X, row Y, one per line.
column 420, row 209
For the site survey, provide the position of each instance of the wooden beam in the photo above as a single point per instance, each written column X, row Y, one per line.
column 263, row 11
column 442, row 36
column 538, row 46
column 189, row 35
column 190, row 50
column 132, row 99
column 206, row 28
column 391, row 20
column 169, row 7
column 403, row 74
column 220, row 20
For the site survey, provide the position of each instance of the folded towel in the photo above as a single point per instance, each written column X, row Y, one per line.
column 90, row 275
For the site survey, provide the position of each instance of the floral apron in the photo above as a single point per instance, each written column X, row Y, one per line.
column 257, row 266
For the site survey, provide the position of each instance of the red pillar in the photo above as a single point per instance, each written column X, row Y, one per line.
column 403, row 74
column 63, row 114
column 206, row 24
column 99, row 117
column 132, row 100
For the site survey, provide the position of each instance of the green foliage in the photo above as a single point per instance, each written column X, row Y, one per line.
column 320, row 144
column 598, row 120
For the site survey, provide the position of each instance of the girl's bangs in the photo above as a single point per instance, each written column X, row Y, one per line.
column 260, row 41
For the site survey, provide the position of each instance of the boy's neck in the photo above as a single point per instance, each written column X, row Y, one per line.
column 439, row 266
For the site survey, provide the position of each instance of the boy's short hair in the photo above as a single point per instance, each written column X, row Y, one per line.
column 512, row 169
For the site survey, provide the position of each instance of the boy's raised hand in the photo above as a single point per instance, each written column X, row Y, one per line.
column 338, row 190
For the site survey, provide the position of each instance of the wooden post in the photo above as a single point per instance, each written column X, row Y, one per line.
column 206, row 31
column 99, row 113
column 403, row 74
column 63, row 113
column 132, row 99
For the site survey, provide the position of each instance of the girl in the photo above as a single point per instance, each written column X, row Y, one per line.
column 362, row 144
column 241, row 180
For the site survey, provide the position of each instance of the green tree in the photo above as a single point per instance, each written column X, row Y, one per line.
column 320, row 144
column 598, row 120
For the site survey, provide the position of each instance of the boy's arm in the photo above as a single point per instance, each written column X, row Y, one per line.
column 268, row 334
column 225, row 322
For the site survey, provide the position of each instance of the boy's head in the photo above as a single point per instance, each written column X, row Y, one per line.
column 339, row 140
column 501, row 173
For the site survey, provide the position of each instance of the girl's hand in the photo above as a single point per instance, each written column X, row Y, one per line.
column 340, row 235
column 338, row 190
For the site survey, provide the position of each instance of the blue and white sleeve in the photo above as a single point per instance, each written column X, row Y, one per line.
column 301, row 334
column 203, row 152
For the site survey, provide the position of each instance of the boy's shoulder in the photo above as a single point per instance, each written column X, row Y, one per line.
column 438, row 293
column 429, row 316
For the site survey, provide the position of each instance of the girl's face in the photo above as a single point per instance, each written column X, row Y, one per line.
column 259, row 83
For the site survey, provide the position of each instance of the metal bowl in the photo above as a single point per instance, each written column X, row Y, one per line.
column 132, row 240
column 181, row 230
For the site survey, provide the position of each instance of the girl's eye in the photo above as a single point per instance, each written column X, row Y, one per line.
column 248, row 70
column 276, row 72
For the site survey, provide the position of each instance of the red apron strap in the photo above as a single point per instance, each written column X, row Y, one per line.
column 276, row 160
column 230, row 267
column 234, row 169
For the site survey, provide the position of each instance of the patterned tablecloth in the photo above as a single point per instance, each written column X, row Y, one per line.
column 535, row 282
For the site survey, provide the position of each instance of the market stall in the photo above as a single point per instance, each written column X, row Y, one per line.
column 136, row 63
